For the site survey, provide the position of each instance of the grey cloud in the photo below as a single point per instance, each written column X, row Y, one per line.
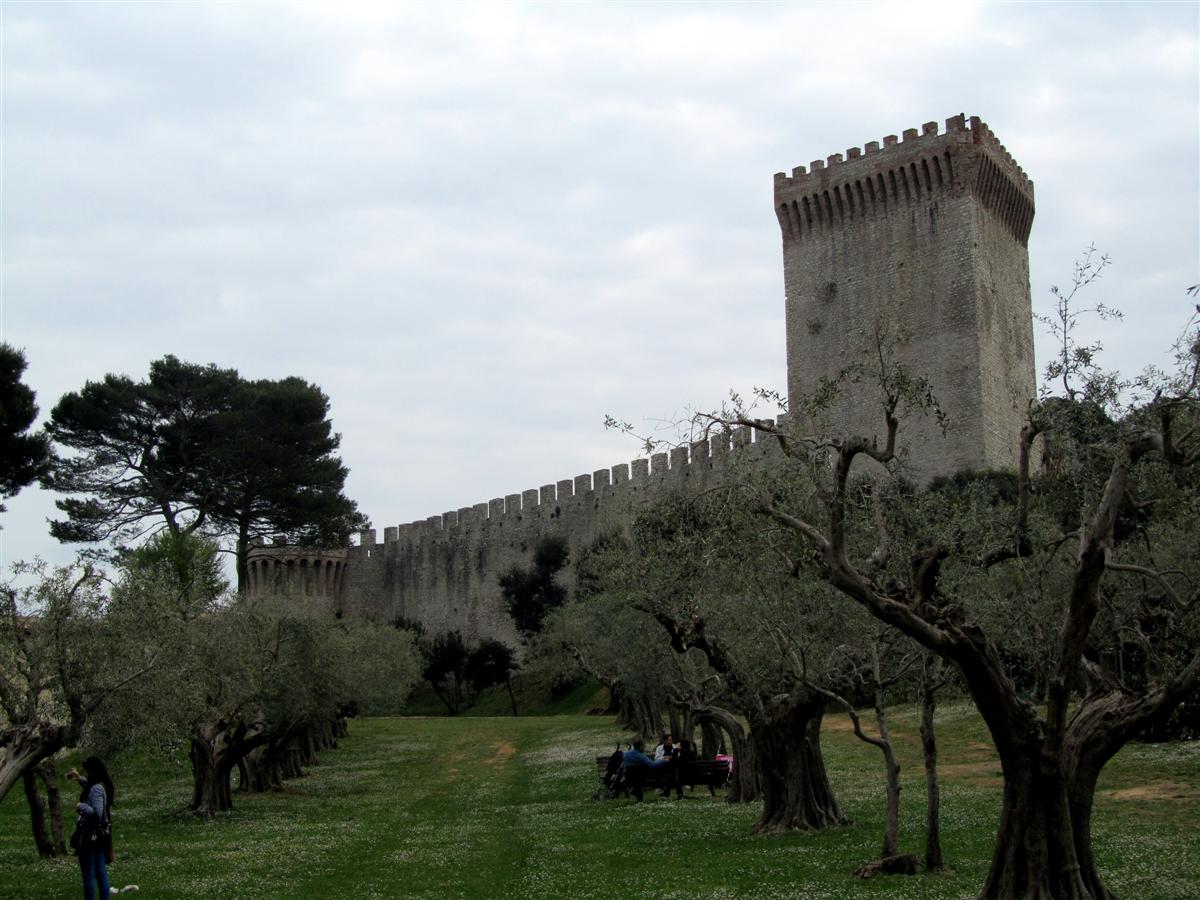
column 481, row 229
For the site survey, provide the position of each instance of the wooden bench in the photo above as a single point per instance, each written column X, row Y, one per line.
column 710, row 773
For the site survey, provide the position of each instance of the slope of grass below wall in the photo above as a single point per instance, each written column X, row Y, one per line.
column 535, row 694
column 500, row 807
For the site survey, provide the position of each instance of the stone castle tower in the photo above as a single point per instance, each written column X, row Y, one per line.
column 928, row 238
column 930, row 232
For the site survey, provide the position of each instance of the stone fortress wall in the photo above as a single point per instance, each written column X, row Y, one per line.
column 930, row 232
column 444, row 570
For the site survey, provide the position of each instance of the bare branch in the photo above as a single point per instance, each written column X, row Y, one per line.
column 1160, row 577
column 812, row 534
column 849, row 709
column 1019, row 545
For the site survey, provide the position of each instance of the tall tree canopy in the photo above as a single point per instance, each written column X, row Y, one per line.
column 141, row 453
column 277, row 471
column 23, row 456
column 199, row 448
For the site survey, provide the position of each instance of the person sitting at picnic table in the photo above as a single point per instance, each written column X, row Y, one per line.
column 637, row 756
column 666, row 749
column 683, row 752
column 665, row 756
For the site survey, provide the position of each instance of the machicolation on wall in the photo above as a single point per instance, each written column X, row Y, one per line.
column 873, row 180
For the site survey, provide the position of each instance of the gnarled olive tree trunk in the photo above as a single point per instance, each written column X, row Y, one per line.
column 210, row 777
column 325, row 734
column 260, row 772
column 285, row 750
column 215, row 751
column 45, row 816
column 933, row 829
column 642, row 715
column 786, row 734
column 1035, row 855
column 744, row 780
column 1043, row 842
column 24, row 746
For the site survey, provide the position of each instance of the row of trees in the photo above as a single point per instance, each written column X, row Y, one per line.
column 171, row 471
column 1062, row 598
column 163, row 658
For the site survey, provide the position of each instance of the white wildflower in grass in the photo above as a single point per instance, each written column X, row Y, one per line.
column 947, row 713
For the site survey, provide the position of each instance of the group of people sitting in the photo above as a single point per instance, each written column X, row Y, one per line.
column 667, row 754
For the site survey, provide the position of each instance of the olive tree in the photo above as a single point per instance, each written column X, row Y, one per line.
column 721, row 586
column 1112, row 566
column 70, row 649
column 757, row 639
column 255, row 685
column 276, row 677
column 618, row 645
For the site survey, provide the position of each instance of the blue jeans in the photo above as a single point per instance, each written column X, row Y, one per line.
column 95, row 874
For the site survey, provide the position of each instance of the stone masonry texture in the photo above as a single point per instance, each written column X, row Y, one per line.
column 926, row 237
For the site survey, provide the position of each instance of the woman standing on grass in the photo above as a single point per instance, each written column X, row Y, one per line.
column 96, row 797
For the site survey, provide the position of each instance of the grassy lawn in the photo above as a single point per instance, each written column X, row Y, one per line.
column 500, row 807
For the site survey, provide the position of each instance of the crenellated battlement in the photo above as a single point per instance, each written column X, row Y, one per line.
column 682, row 465
column 444, row 570
column 876, row 180
column 959, row 130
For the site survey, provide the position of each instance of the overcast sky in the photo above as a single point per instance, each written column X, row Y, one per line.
column 481, row 228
